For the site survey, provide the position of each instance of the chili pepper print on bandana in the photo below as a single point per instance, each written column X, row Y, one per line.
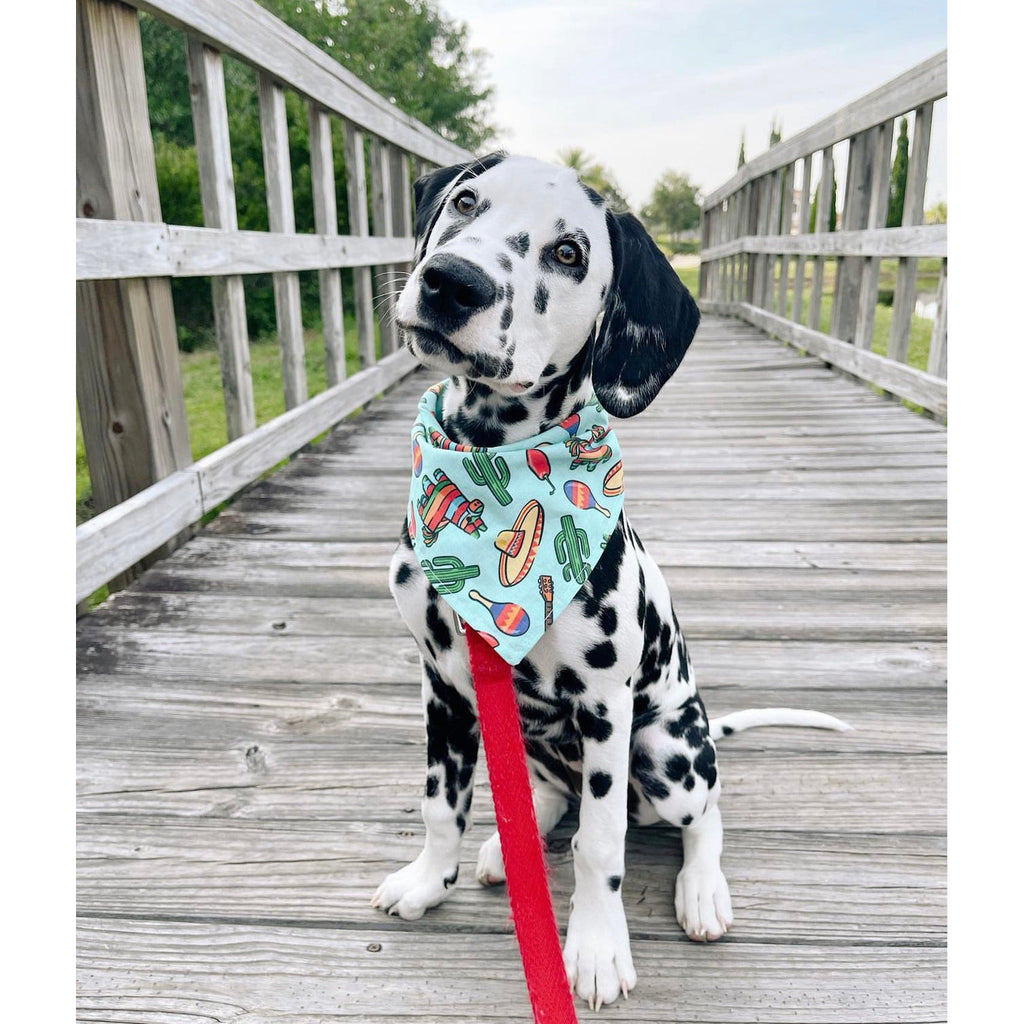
column 508, row 535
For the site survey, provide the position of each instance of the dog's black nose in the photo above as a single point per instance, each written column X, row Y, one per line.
column 455, row 289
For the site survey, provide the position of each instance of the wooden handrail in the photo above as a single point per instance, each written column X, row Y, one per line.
column 130, row 394
column 748, row 239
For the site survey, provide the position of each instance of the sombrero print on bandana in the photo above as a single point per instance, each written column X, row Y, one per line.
column 508, row 535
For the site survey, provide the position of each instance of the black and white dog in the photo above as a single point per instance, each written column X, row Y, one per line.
column 532, row 295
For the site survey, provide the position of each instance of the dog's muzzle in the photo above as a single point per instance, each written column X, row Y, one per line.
column 452, row 290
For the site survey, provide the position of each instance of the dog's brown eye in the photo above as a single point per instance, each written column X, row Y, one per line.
column 568, row 254
column 465, row 202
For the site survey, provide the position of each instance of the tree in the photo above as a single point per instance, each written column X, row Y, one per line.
column 775, row 135
column 936, row 214
column 405, row 49
column 596, row 175
column 743, row 151
column 674, row 204
column 898, row 180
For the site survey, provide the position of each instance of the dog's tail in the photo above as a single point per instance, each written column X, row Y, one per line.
column 753, row 717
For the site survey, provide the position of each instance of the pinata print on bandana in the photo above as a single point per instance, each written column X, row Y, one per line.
column 508, row 535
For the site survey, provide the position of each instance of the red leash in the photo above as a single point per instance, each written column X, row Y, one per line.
column 521, row 849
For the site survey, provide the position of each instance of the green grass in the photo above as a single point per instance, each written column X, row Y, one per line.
column 204, row 398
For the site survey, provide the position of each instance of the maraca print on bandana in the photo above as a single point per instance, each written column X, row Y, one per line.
column 614, row 480
column 510, row 618
column 412, row 522
column 539, row 466
column 519, row 545
column 443, row 503
column 583, row 497
column 438, row 440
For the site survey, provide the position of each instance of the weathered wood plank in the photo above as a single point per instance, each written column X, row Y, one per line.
column 128, row 380
column 923, row 388
column 881, row 173
column 383, row 207
column 937, row 349
column 788, row 886
column 256, row 971
column 913, row 213
column 277, row 170
column 325, row 219
column 849, row 269
column 118, row 536
column 112, row 249
column 217, row 189
column 826, row 187
column 359, row 225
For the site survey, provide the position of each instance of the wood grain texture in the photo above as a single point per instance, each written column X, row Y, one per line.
column 251, row 748
column 359, row 225
column 128, row 379
column 217, row 189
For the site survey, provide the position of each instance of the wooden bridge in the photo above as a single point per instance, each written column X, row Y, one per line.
column 250, row 734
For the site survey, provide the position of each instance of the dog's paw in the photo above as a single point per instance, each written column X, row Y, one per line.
column 597, row 956
column 490, row 867
column 414, row 889
column 703, row 905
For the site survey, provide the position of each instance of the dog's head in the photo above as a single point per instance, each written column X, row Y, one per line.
column 519, row 266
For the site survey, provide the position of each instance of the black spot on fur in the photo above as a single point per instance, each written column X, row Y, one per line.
column 593, row 195
column 403, row 574
column 602, row 655
column 439, row 629
column 514, row 412
column 591, row 726
column 687, row 820
column 540, row 298
column 452, row 878
column 519, row 243
column 704, row 765
column 676, row 767
column 549, row 370
column 727, row 730
column 643, row 772
column 614, row 882
column 431, row 789
column 460, row 821
column 600, row 783
column 449, row 233
column 568, row 681
column 504, row 262
column 506, row 318
column 609, row 621
column 559, row 226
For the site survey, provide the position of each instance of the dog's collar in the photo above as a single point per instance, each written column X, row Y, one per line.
column 508, row 535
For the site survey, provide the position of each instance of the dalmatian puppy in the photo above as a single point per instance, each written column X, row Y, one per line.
column 532, row 295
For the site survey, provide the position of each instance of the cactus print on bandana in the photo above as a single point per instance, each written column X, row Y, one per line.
column 522, row 521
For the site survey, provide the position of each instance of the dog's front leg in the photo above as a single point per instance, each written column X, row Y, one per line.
column 597, row 955
column 453, row 738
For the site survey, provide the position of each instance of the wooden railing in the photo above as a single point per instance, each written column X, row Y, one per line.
column 130, row 396
column 749, row 240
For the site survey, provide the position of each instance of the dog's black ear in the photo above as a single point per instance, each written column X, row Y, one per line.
column 430, row 190
column 649, row 321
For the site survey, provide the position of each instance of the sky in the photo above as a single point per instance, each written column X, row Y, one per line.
column 652, row 85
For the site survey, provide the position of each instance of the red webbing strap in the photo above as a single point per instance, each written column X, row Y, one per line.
column 525, row 870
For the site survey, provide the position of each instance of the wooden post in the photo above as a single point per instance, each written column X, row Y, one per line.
column 281, row 209
column 849, row 269
column 380, row 171
column 217, row 188
column 804, row 227
column 325, row 218
column 704, row 278
column 401, row 218
column 880, row 144
column 937, row 351
column 359, row 224
column 785, row 227
column 129, row 390
column 913, row 213
column 820, row 227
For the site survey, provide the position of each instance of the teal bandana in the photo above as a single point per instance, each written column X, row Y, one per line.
column 508, row 535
